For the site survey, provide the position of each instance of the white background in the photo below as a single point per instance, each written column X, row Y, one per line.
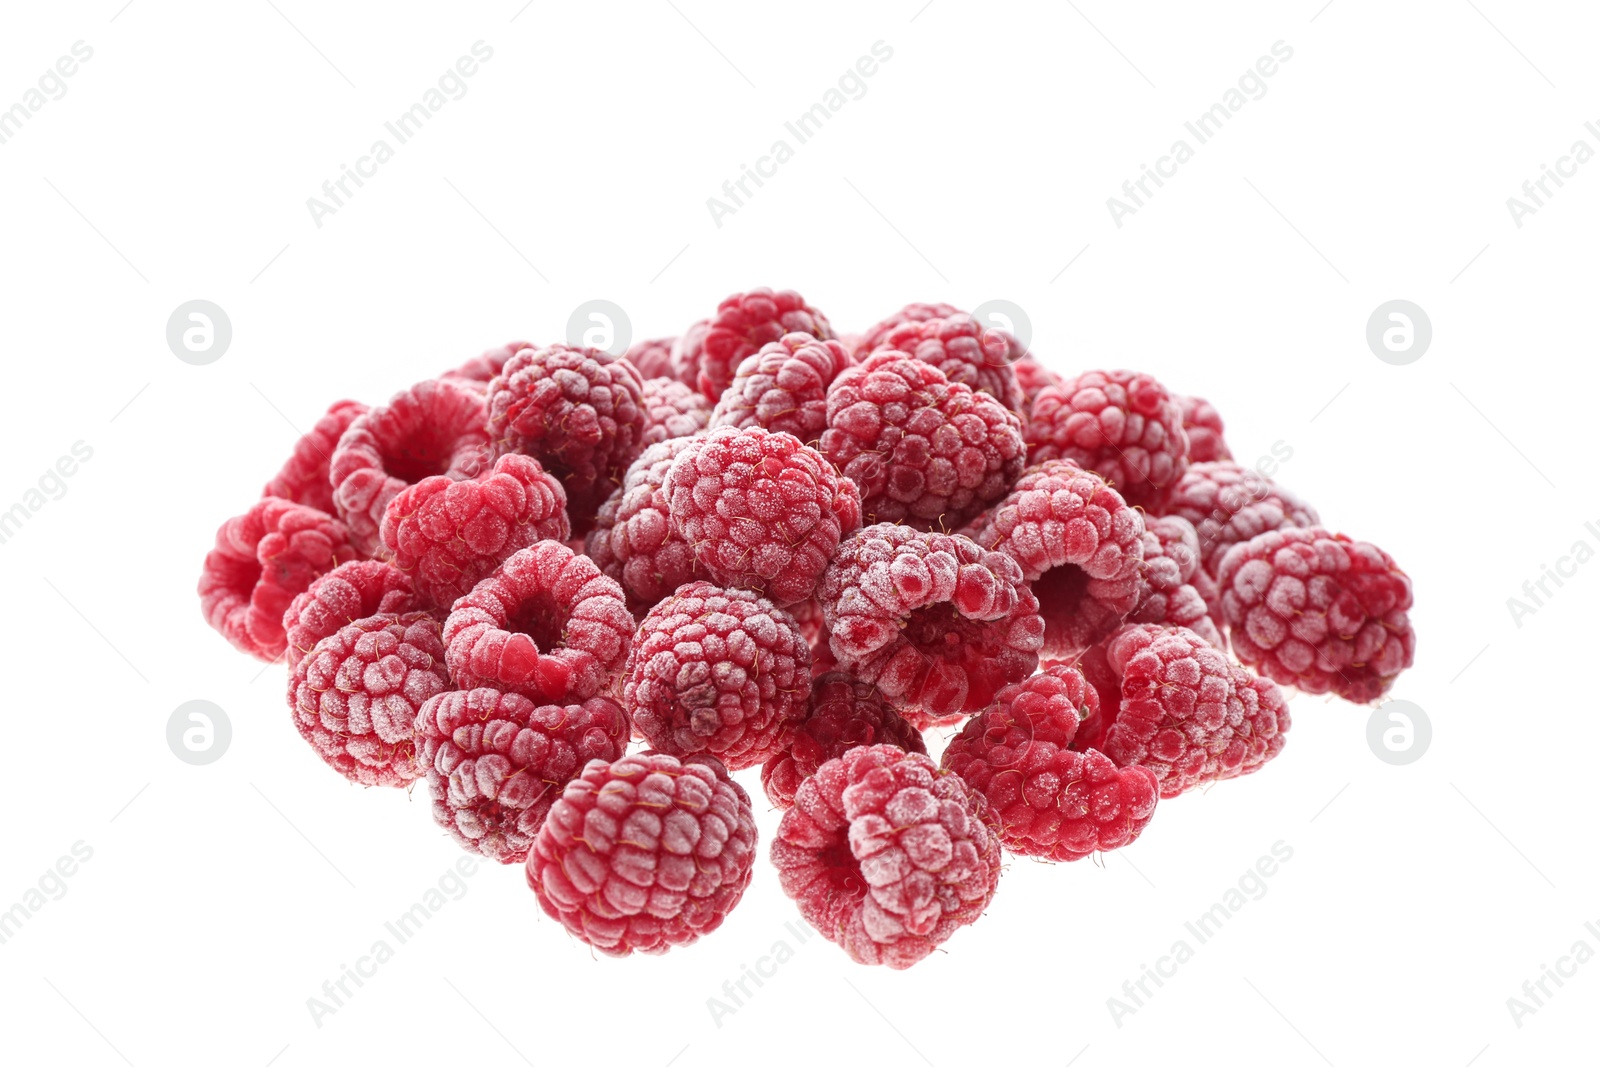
column 976, row 166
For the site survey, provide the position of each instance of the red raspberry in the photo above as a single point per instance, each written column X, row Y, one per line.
column 578, row 411
column 1319, row 611
column 1051, row 802
column 1171, row 563
column 263, row 559
column 449, row 535
column 885, row 856
column 721, row 671
column 1178, row 706
column 921, row 448
column 304, row 476
column 435, row 427
column 761, row 510
column 671, row 409
column 646, row 853
column 349, row 592
column 845, row 713
column 1078, row 543
column 1229, row 504
column 653, row 359
column 743, row 323
column 547, row 625
column 1033, row 377
column 968, row 352
column 865, row 343
column 1203, row 424
column 633, row 541
column 355, row 696
column 1120, row 424
column 936, row 622
column 496, row 762
column 784, row 387
column 477, row 372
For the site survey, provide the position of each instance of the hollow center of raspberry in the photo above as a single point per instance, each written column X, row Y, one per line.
column 538, row 617
column 842, row 870
column 420, row 457
column 939, row 630
column 1060, row 590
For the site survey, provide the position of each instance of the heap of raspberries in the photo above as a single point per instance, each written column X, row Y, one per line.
column 942, row 600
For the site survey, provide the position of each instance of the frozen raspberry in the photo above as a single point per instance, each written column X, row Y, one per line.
column 845, row 713
column 434, row 427
column 784, row 387
column 349, row 592
column 968, row 352
column 304, row 477
column 1171, row 563
column 653, row 359
column 1203, row 424
column 1120, row 424
column 1078, row 543
column 578, row 411
column 936, row 622
column 865, row 343
column 720, row 671
column 922, row 449
column 496, row 762
column 671, row 409
column 477, row 372
column 808, row 616
column 633, row 540
column 1173, row 703
column 263, row 559
column 355, row 696
column 646, row 853
column 1033, row 377
column 1050, row 802
column 449, row 535
column 1318, row 611
column 743, row 323
column 761, row 510
column 547, row 625
column 885, row 856
column 1229, row 504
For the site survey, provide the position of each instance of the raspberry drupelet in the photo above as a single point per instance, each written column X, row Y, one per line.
column 717, row 670
column 1203, row 424
column 864, row 344
column 671, row 409
column 977, row 356
column 304, row 475
column 645, row 854
column 1033, row 377
column 1229, row 504
column 886, row 856
column 844, row 713
column 653, row 359
column 1319, row 611
column 1120, row 424
column 350, row 591
column 633, row 540
column 713, row 350
column 784, row 387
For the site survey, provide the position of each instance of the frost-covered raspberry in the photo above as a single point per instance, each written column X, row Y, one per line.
column 845, row 713
column 936, row 622
column 355, row 696
column 1318, row 611
column 1050, row 802
column 350, row 591
column 1120, row 424
column 784, row 387
column 1034, row 377
column 885, row 856
column 865, row 343
column 1203, row 424
column 263, row 559
column 578, row 411
column 717, row 670
column 1080, row 546
column 304, row 475
column 653, row 359
column 922, row 449
column 743, row 323
column 1229, row 504
column 671, row 409
column 496, row 762
column 547, row 625
column 761, row 510
column 477, row 372
column 968, row 352
column 633, row 540
column 646, row 853
column 1171, row 563
column 1173, row 703
column 435, row 427
column 449, row 535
